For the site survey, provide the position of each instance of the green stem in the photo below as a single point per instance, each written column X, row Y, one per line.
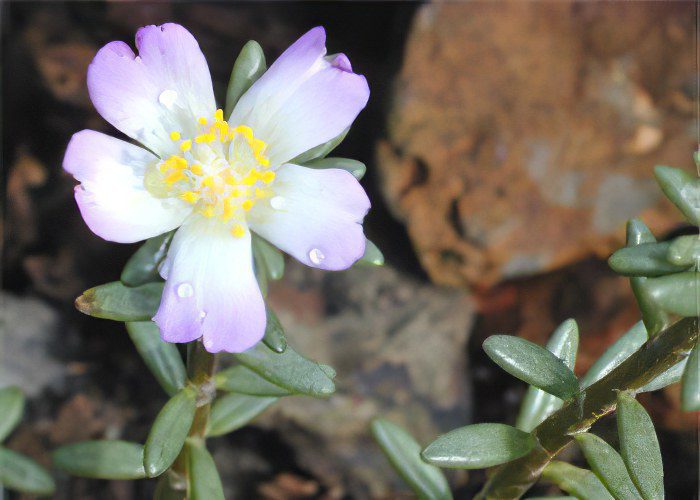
column 657, row 355
column 200, row 372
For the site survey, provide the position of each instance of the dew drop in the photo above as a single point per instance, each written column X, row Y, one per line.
column 167, row 98
column 208, row 343
column 316, row 255
column 277, row 202
column 202, row 315
column 184, row 290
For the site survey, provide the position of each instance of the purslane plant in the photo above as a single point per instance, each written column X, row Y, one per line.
column 217, row 194
column 559, row 409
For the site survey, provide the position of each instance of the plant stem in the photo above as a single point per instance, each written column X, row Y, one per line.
column 578, row 414
column 200, row 371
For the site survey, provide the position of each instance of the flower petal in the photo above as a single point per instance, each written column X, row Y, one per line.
column 317, row 216
column 165, row 89
column 211, row 290
column 303, row 100
column 111, row 197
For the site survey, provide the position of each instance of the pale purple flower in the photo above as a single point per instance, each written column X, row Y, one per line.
column 217, row 180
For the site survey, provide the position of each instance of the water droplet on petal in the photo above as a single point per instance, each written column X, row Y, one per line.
column 202, row 315
column 208, row 343
column 277, row 202
column 184, row 290
column 316, row 256
column 167, row 98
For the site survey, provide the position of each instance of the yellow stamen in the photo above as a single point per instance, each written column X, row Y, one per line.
column 196, row 169
column 175, row 136
column 190, row 197
column 268, row 177
column 247, row 205
column 202, row 120
column 238, row 231
column 219, row 114
column 186, row 145
column 174, row 176
column 208, row 211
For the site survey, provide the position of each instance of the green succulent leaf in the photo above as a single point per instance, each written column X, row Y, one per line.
column 101, row 459
column 11, row 408
column 274, row 333
column 162, row 358
column 142, row 267
column 204, row 480
column 619, row 351
column 537, row 405
column 21, row 473
column 654, row 318
column 479, row 446
column 404, row 453
column 690, row 388
column 533, row 364
column 373, row 256
column 289, row 370
column 639, row 447
column 245, row 381
column 684, row 251
column 320, row 151
column 249, row 66
column 671, row 376
column 121, row 303
column 268, row 257
column 169, row 432
column 677, row 293
column 608, row 465
column 682, row 189
column 579, row 482
column 232, row 411
column 646, row 259
column 356, row 168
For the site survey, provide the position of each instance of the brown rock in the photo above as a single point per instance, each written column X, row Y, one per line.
column 510, row 154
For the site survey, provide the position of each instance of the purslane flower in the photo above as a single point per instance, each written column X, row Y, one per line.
column 217, row 178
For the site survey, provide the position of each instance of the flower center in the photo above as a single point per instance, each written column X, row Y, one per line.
column 222, row 171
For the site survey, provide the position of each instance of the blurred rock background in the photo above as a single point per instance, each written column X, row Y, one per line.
column 506, row 144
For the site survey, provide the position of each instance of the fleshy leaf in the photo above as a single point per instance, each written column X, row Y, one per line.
column 533, row 364
column 579, row 482
column 204, row 480
column 684, row 251
column 479, row 446
column 21, row 473
column 162, row 358
column 245, row 381
column 537, row 404
column 320, row 151
column 11, row 409
column 121, row 303
column 142, row 267
column 676, row 293
column 619, row 351
column 274, row 333
column 249, row 66
column 608, row 465
column 269, row 257
column 101, row 459
column 356, row 168
column 654, row 318
column 169, row 432
column 639, row 447
column 682, row 189
column 427, row 481
column 233, row 411
column 647, row 259
column 373, row 256
column 289, row 370
column 690, row 388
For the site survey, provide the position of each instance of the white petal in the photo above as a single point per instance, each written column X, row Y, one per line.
column 112, row 197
